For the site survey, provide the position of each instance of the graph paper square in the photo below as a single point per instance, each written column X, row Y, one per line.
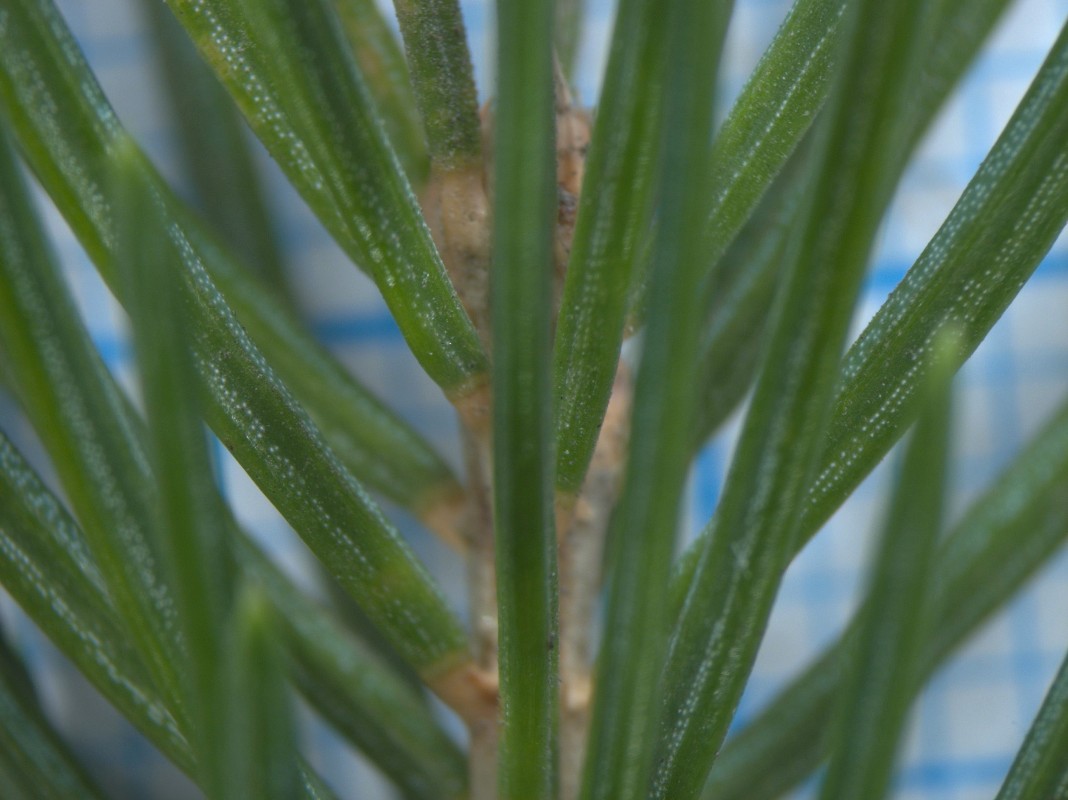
column 975, row 711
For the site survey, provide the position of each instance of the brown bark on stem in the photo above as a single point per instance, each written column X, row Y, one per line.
column 456, row 205
column 583, row 527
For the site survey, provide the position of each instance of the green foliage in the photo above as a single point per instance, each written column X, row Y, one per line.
column 35, row 762
column 627, row 705
column 875, row 698
column 738, row 252
column 524, row 530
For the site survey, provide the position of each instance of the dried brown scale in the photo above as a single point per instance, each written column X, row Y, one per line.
column 456, row 207
column 482, row 720
column 479, row 542
column 444, row 515
column 573, row 131
column 567, row 211
column 473, row 407
column 471, row 692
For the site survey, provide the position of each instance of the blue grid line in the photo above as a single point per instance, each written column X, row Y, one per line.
column 219, row 455
column 887, row 273
column 822, row 586
column 301, row 230
column 986, row 669
column 932, row 713
column 1005, row 366
column 115, row 352
column 978, row 117
column 1014, row 65
column 953, row 773
column 708, row 480
column 343, row 328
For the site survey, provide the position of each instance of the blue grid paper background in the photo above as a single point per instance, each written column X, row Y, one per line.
column 974, row 713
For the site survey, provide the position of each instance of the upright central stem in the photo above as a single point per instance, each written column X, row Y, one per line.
column 456, row 206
